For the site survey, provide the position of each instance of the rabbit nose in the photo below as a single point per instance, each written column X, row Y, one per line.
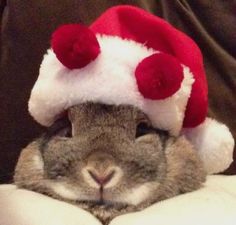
column 101, row 170
column 101, row 178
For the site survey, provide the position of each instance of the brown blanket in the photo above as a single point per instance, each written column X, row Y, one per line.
column 26, row 26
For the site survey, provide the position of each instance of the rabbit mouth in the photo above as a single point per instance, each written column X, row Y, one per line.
column 102, row 199
column 104, row 203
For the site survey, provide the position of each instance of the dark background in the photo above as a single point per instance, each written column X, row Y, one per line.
column 26, row 26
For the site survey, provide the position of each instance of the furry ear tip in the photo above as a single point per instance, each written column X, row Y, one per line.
column 75, row 45
column 159, row 76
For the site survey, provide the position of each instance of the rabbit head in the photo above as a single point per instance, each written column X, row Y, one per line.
column 108, row 156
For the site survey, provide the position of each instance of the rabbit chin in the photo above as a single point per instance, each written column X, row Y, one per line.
column 133, row 196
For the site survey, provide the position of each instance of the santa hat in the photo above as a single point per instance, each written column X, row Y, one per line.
column 128, row 56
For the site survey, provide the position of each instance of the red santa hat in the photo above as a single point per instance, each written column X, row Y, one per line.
column 128, row 56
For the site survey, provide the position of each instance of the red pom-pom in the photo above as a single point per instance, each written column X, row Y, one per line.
column 159, row 76
column 75, row 45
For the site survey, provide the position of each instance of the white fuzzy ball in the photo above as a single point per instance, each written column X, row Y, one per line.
column 215, row 144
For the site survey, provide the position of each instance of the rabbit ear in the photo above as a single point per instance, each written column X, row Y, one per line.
column 159, row 76
column 75, row 45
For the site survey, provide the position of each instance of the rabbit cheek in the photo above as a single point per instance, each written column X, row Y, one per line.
column 139, row 194
column 62, row 190
column 37, row 162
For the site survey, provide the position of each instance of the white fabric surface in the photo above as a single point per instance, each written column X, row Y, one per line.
column 214, row 204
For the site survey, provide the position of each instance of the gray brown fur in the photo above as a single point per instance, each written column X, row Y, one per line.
column 171, row 164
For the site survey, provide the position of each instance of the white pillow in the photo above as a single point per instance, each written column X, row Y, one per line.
column 214, row 204
column 22, row 207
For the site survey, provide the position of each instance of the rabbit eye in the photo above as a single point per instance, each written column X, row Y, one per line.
column 65, row 132
column 143, row 129
column 56, row 171
column 56, row 175
column 61, row 128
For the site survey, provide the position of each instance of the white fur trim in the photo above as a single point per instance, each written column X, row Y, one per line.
column 109, row 79
column 215, row 144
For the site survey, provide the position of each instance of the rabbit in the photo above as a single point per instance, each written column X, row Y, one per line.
column 109, row 160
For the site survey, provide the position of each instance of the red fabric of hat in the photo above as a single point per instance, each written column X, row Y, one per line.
column 129, row 22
